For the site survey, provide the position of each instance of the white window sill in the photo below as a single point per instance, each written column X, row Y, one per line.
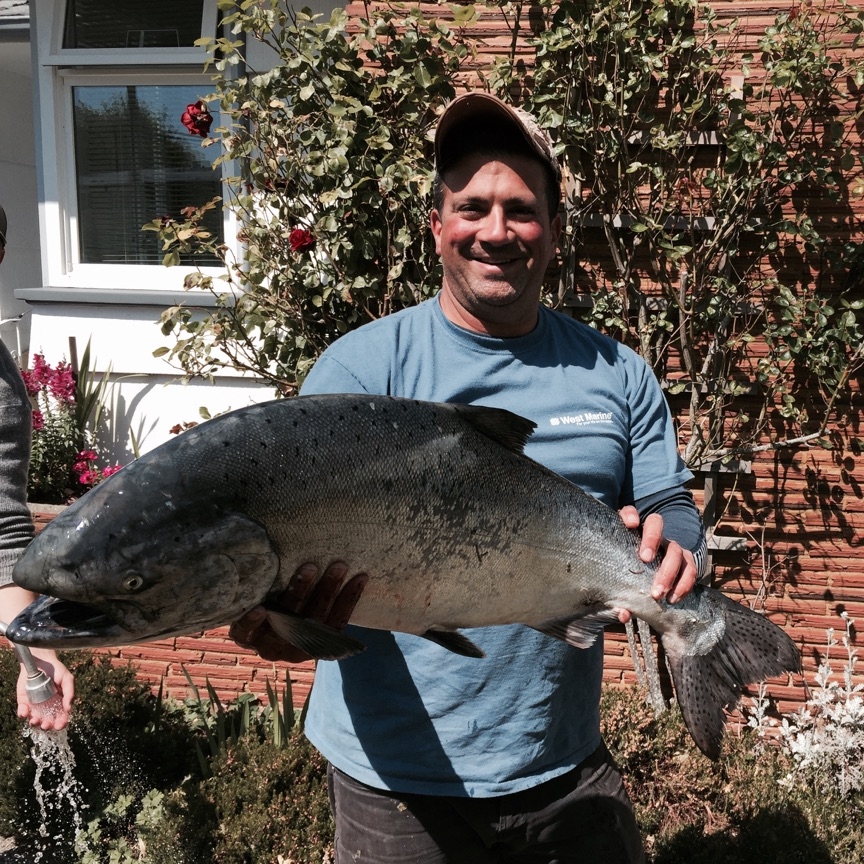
column 116, row 296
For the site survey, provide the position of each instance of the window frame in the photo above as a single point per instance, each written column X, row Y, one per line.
column 59, row 71
column 59, row 56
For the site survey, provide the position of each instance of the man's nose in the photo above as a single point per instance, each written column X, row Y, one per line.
column 494, row 228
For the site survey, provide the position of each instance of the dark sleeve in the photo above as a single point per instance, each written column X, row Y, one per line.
column 681, row 520
column 16, row 526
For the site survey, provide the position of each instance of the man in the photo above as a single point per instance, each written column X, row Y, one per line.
column 16, row 531
column 438, row 758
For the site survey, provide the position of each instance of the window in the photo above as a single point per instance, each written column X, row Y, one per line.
column 115, row 79
column 134, row 162
column 132, row 24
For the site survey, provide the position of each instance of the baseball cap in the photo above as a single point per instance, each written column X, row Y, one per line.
column 3, row 226
column 484, row 114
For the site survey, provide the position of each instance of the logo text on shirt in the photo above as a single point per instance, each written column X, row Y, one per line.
column 586, row 418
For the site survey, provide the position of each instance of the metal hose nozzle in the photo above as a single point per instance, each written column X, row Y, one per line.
column 40, row 688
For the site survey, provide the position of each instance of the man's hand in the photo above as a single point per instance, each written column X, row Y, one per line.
column 330, row 600
column 676, row 575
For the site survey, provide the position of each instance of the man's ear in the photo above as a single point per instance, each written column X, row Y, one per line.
column 436, row 225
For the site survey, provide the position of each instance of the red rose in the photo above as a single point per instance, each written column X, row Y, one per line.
column 197, row 119
column 301, row 240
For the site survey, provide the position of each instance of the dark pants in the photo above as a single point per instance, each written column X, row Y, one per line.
column 583, row 817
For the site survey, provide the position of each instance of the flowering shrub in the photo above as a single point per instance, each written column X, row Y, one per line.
column 63, row 462
column 826, row 737
column 333, row 197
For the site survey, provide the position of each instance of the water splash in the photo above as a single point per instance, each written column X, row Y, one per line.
column 54, row 759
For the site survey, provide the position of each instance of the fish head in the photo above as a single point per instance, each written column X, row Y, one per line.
column 138, row 558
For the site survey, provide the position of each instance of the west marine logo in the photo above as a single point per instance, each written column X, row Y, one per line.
column 587, row 418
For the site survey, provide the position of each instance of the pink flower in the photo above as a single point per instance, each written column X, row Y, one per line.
column 33, row 387
column 108, row 470
column 89, row 455
column 197, row 119
column 37, row 377
column 61, row 383
column 301, row 240
column 38, row 421
column 88, row 478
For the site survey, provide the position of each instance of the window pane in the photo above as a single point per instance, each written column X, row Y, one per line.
column 132, row 23
column 136, row 162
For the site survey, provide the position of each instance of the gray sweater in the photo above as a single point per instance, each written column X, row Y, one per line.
column 16, row 526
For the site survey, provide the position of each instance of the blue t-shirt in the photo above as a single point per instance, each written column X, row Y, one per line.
column 409, row 716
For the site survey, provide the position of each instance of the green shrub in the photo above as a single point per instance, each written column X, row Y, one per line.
column 124, row 741
column 14, row 758
column 261, row 802
column 144, row 795
column 743, row 809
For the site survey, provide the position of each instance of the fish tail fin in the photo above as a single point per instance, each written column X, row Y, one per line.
column 750, row 649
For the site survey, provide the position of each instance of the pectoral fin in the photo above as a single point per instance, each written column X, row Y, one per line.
column 316, row 639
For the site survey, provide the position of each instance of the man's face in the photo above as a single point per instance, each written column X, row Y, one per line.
column 495, row 238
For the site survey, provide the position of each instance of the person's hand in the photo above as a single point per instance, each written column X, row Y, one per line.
column 53, row 713
column 330, row 600
column 676, row 575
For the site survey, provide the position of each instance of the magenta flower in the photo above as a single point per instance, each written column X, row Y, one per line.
column 301, row 240
column 61, row 383
column 38, row 420
column 37, row 377
column 197, row 119
column 108, row 470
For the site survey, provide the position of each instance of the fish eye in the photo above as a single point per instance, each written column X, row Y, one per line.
column 133, row 581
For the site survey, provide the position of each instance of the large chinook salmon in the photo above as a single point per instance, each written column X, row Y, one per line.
column 456, row 527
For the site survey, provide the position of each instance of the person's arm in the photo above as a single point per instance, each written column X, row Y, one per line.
column 53, row 713
column 16, row 532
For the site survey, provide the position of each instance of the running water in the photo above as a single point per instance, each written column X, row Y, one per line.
column 54, row 758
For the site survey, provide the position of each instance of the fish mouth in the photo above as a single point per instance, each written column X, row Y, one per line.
column 51, row 622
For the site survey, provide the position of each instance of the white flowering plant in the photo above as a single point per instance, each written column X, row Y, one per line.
column 825, row 738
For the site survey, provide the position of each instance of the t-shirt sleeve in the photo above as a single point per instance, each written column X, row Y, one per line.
column 16, row 526
column 359, row 362
column 654, row 460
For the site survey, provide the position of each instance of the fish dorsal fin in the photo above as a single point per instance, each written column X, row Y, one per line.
column 504, row 427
